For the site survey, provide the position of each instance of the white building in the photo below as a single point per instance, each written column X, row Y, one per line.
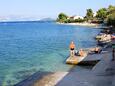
column 94, row 14
column 77, row 17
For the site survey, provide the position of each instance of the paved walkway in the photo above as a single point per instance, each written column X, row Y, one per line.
column 103, row 74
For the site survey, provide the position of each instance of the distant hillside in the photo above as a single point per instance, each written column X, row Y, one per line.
column 19, row 19
column 47, row 19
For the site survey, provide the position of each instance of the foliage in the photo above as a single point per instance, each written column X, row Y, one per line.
column 69, row 21
column 111, row 19
column 111, row 9
column 111, row 15
column 79, row 20
column 102, row 13
column 74, row 21
column 89, row 14
column 62, row 17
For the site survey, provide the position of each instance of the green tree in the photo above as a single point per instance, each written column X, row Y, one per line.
column 89, row 14
column 102, row 13
column 111, row 9
column 62, row 17
column 111, row 19
column 79, row 20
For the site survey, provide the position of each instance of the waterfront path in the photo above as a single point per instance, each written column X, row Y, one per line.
column 102, row 74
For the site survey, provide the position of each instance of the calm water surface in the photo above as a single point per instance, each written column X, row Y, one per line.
column 28, row 47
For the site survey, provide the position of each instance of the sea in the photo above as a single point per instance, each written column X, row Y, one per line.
column 32, row 46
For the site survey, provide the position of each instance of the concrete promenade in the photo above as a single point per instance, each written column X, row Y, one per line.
column 102, row 74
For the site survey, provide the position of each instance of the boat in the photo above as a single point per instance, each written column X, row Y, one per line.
column 75, row 59
column 99, row 36
column 104, row 42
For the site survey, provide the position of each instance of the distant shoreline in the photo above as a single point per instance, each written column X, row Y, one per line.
column 21, row 21
column 81, row 24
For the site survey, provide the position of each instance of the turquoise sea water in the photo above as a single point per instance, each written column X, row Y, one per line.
column 28, row 47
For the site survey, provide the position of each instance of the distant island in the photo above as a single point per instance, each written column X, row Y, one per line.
column 23, row 19
column 104, row 16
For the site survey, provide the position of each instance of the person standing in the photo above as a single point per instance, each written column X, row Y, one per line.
column 72, row 49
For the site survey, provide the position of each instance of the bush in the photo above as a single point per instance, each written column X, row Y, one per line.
column 79, row 20
column 111, row 19
column 62, row 17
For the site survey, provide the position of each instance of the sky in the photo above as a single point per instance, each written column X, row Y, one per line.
column 49, row 8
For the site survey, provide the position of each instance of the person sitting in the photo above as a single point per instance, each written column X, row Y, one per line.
column 72, row 49
column 97, row 50
column 81, row 52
